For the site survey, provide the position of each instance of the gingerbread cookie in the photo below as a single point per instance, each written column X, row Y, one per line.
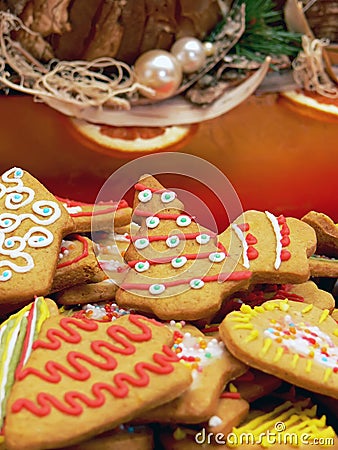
column 17, row 334
column 88, row 293
column 275, row 249
column 134, row 437
column 105, row 215
column 323, row 266
column 209, row 360
column 85, row 377
column 105, row 312
column 293, row 341
column 32, row 224
column 326, row 232
column 178, row 269
column 288, row 426
column 253, row 385
column 77, row 263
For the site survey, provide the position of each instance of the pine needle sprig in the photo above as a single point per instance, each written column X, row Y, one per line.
column 264, row 32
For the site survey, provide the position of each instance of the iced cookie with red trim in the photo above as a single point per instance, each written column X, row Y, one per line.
column 17, row 335
column 32, row 225
column 208, row 360
column 179, row 270
column 326, row 232
column 85, row 377
column 295, row 342
column 286, row 427
column 125, row 436
column 275, row 249
column 77, row 263
column 106, row 215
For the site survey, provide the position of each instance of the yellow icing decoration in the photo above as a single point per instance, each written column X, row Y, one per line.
column 44, row 312
column 244, row 319
column 327, row 374
column 252, row 336
column 279, row 354
column 324, row 315
column 307, row 308
column 288, row 423
column 336, row 332
column 270, row 306
column 244, row 326
column 308, row 366
column 179, row 434
column 246, row 309
column 284, row 305
column 266, row 346
column 259, row 309
column 294, row 360
column 232, row 388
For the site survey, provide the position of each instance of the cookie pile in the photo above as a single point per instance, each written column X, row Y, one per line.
column 170, row 337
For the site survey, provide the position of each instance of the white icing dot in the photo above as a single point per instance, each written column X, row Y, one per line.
column 142, row 266
column 217, row 256
column 183, row 221
column 141, row 243
column 172, row 241
column 156, row 289
column 203, row 238
column 214, row 421
column 196, row 283
column 178, row 262
column 145, row 196
column 152, row 222
column 168, row 196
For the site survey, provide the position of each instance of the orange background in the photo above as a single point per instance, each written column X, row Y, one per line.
column 276, row 156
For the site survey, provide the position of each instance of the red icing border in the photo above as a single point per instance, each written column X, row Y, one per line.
column 84, row 253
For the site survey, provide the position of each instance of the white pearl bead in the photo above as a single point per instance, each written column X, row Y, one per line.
column 159, row 70
column 209, row 48
column 190, row 53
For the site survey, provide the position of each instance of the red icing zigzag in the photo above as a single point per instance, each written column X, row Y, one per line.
column 71, row 406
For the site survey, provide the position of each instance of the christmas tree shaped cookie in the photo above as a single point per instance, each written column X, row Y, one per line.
column 85, row 377
column 32, row 224
column 275, row 249
column 179, row 270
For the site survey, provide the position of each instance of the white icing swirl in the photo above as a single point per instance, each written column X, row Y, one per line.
column 45, row 212
column 279, row 237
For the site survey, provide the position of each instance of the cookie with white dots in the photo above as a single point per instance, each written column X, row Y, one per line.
column 178, row 269
column 293, row 341
column 32, row 225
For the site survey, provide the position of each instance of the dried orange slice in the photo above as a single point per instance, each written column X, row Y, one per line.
column 132, row 141
column 312, row 100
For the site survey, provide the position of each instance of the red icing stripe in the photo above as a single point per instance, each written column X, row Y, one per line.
column 234, row 395
column 72, row 400
column 168, row 259
column 114, row 207
column 163, row 216
column 84, row 253
column 234, row 276
column 142, row 187
column 26, row 340
column 187, row 236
